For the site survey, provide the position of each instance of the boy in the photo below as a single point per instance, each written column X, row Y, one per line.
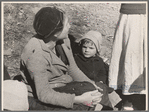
column 88, row 59
column 89, row 62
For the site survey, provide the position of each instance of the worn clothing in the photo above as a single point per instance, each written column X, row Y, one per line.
column 133, row 8
column 42, row 71
column 35, row 104
column 79, row 88
column 76, row 88
column 128, row 62
column 92, row 67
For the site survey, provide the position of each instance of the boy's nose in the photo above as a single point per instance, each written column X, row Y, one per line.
column 86, row 49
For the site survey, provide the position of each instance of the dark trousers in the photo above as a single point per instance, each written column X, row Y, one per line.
column 137, row 100
column 76, row 88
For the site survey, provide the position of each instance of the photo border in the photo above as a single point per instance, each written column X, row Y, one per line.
column 63, row 1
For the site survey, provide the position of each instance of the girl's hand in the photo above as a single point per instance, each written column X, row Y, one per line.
column 89, row 98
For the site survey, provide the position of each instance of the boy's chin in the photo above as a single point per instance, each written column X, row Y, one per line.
column 86, row 56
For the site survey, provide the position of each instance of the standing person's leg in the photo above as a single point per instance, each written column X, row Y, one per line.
column 134, row 60
column 138, row 101
column 127, row 62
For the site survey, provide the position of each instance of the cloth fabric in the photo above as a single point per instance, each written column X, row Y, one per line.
column 113, row 96
column 15, row 96
column 41, row 68
column 128, row 62
column 76, row 88
column 133, row 8
column 92, row 67
column 35, row 104
column 60, row 52
column 79, row 88
column 42, row 71
column 96, row 37
column 47, row 21
column 138, row 101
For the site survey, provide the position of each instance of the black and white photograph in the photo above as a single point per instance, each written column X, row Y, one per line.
column 74, row 56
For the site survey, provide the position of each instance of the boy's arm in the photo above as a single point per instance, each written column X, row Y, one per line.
column 102, row 73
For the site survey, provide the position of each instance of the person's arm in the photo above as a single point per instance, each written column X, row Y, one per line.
column 102, row 72
column 40, row 71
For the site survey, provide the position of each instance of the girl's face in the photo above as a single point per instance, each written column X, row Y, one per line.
column 64, row 33
column 89, row 50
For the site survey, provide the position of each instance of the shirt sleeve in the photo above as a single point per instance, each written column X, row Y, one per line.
column 40, row 71
column 102, row 72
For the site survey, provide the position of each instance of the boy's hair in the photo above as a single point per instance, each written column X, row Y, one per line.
column 86, row 41
column 96, row 38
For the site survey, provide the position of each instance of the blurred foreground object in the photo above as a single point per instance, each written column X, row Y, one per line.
column 15, row 96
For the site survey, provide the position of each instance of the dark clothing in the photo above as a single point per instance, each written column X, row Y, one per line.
column 43, row 71
column 76, row 88
column 137, row 100
column 92, row 67
column 6, row 75
column 133, row 8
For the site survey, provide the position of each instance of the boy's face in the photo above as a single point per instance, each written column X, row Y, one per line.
column 89, row 50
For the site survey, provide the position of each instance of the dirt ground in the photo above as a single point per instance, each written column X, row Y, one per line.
column 18, row 19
